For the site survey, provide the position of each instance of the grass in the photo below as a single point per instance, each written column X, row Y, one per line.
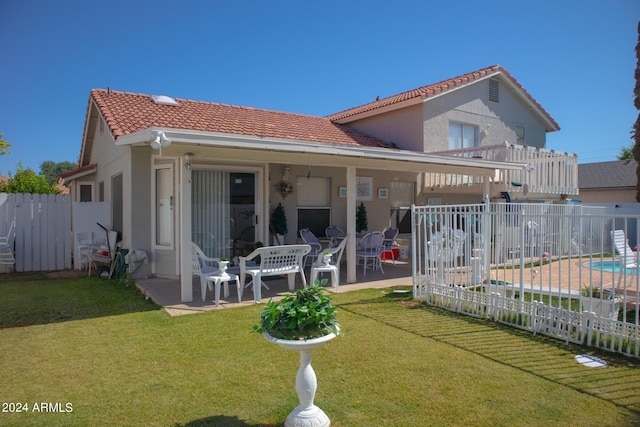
column 119, row 360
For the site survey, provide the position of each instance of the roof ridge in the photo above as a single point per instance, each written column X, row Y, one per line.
column 441, row 86
column 199, row 101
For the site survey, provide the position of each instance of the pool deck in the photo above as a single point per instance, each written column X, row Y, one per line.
column 570, row 276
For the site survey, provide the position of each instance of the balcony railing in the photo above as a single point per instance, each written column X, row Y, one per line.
column 553, row 173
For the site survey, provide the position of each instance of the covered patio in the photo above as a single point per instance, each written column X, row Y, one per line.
column 166, row 292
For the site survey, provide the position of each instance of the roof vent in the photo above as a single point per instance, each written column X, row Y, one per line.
column 163, row 100
column 494, row 90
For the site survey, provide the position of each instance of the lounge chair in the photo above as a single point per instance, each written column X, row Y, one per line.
column 628, row 257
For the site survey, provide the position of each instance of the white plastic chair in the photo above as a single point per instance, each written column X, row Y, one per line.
column 629, row 257
column 310, row 239
column 201, row 267
column 389, row 242
column 369, row 249
column 335, row 234
column 6, row 247
column 333, row 267
column 84, row 247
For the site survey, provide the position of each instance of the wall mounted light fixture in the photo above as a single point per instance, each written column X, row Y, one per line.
column 285, row 173
column 187, row 160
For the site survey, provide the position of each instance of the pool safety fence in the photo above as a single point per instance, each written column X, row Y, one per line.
column 546, row 268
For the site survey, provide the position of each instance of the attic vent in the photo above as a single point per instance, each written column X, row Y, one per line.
column 163, row 100
column 494, row 91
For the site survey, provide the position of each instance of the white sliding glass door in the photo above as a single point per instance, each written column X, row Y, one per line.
column 223, row 211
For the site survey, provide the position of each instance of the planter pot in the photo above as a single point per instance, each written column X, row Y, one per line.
column 326, row 259
column 306, row 414
column 223, row 266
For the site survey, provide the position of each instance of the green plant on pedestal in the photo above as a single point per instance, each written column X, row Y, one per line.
column 361, row 218
column 307, row 313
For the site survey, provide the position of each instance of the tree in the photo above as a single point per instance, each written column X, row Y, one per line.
column 636, row 127
column 26, row 181
column 4, row 145
column 51, row 170
column 626, row 153
column 362, row 222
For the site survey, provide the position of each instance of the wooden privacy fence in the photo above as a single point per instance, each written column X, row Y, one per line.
column 42, row 238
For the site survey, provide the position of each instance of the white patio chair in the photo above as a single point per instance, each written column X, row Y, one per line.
column 202, row 266
column 310, row 239
column 369, row 250
column 333, row 267
column 628, row 257
column 6, row 246
column 389, row 242
column 335, row 235
column 84, row 247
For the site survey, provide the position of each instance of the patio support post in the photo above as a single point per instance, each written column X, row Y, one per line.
column 184, row 219
column 351, row 224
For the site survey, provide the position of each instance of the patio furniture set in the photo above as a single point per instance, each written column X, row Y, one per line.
column 290, row 260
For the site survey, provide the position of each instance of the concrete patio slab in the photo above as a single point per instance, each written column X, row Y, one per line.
column 166, row 292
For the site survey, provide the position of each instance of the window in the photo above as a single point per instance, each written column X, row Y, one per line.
column 494, row 90
column 164, row 206
column 520, row 135
column 462, row 136
column 85, row 192
column 314, row 204
column 116, row 203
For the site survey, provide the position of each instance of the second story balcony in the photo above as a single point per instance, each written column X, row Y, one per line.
column 551, row 174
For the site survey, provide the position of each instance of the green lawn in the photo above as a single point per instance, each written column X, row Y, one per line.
column 117, row 359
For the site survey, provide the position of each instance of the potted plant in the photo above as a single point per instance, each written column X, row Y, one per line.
column 326, row 257
column 224, row 264
column 302, row 321
column 362, row 223
column 279, row 222
column 284, row 188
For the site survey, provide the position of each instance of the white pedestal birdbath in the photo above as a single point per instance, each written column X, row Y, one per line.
column 306, row 414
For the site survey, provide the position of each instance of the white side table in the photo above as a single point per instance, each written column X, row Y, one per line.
column 217, row 279
column 331, row 268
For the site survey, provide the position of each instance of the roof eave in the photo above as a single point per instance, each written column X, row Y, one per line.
column 249, row 142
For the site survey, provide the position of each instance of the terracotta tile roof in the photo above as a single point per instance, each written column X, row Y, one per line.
column 426, row 92
column 127, row 113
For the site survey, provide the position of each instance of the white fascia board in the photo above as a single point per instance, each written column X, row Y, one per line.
column 418, row 100
column 224, row 140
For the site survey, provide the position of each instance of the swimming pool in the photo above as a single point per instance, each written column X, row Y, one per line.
column 610, row 266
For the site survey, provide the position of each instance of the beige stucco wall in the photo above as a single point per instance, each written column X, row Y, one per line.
column 378, row 210
column 607, row 196
column 496, row 120
column 402, row 127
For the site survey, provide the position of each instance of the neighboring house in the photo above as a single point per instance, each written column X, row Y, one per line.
column 608, row 182
column 177, row 170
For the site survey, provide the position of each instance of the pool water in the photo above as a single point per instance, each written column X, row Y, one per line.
column 610, row 266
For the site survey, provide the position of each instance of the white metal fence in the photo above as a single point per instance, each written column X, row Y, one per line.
column 41, row 238
column 547, row 268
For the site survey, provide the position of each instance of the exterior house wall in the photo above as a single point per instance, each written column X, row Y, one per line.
column 111, row 160
column 607, row 196
column 138, row 218
column 496, row 121
column 378, row 209
column 402, row 127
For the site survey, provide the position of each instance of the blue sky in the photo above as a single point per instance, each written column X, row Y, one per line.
column 576, row 57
